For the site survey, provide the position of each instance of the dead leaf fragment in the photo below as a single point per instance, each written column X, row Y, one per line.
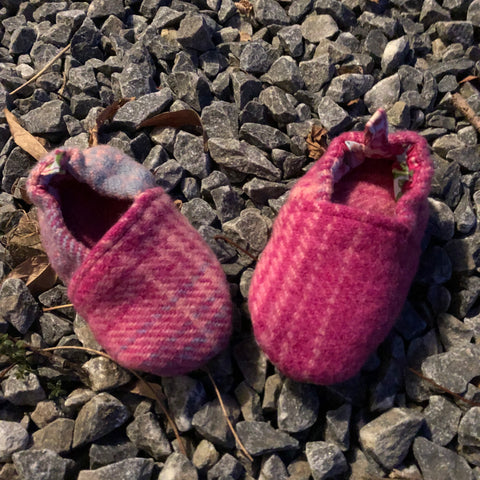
column 244, row 7
column 317, row 142
column 23, row 241
column 25, row 140
column 37, row 273
column 104, row 116
column 178, row 119
column 148, row 389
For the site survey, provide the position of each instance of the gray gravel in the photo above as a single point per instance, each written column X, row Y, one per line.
column 259, row 82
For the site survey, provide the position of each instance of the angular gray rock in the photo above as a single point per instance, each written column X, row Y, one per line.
column 260, row 191
column 40, row 465
column 245, row 88
column 438, row 462
column 146, row 434
column 57, row 436
column 178, row 467
column 169, row 174
column 453, row 332
column 99, row 416
column 333, row 117
column 205, row 455
column 45, row 412
column 104, row 374
column 273, row 469
column 349, row 86
column 228, row 203
column 242, row 157
column 128, row 469
column 469, row 428
column 441, row 418
column 248, row 398
column 25, row 390
column 326, row 460
column 185, row 397
column 279, row 104
column 284, row 73
column 17, row 305
column 195, row 33
column 388, row 438
column 395, row 54
column 441, row 222
column 270, row 12
column 227, row 467
column 13, row 437
column 220, row 119
column 455, row 368
column 189, row 152
column 135, row 112
column 317, row 72
column 337, row 426
column 260, row 438
column 291, row 40
column 111, row 449
column 317, row 27
column 99, row 9
column 199, row 212
column 264, row 137
column 383, row 94
column 250, row 229
column 256, row 58
column 211, row 424
column 47, row 119
column 298, row 405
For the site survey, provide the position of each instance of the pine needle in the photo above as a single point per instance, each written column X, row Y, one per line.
column 43, row 70
column 224, row 411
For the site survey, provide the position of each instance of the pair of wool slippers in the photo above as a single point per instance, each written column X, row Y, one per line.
column 325, row 292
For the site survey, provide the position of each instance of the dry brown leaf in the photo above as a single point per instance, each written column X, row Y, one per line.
column 104, row 116
column 24, row 241
column 244, row 7
column 37, row 273
column 245, row 37
column 178, row 119
column 469, row 78
column 353, row 102
column 317, row 142
column 140, row 388
column 25, row 140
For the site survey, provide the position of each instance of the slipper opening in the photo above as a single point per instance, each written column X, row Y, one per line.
column 87, row 214
column 368, row 187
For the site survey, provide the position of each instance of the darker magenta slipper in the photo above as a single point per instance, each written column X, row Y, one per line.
column 343, row 252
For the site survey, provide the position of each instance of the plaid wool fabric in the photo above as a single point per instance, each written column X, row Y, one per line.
column 343, row 252
column 153, row 293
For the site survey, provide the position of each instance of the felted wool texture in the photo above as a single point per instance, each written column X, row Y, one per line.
column 336, row 271
column 151, row 290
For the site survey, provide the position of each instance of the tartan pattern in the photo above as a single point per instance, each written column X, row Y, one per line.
column 333, row 277
column 153, row 293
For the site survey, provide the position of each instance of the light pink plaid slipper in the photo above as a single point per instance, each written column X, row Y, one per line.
column 151, row 290
column 343, row 252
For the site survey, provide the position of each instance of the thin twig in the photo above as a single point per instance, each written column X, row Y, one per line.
column 67, row 305
column 43, row 70
column 235, row 245
column 222, row 406
column 464, row 108
column 6, row 370
column 446, row 390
